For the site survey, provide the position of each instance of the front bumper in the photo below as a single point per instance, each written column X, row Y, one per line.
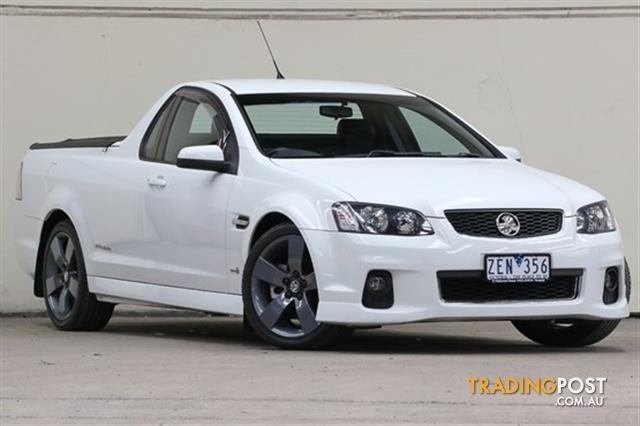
column 342, row 261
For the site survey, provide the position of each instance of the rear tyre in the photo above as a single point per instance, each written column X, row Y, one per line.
column 69, row 304
column 566, row 333
column 280, row 293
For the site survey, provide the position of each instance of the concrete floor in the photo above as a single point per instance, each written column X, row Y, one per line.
column 202, row 370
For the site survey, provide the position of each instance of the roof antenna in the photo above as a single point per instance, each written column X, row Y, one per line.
column 278, row 73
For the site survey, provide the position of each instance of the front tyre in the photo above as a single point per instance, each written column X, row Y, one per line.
column 280, row 293
column 567, row 333
column 69, row 304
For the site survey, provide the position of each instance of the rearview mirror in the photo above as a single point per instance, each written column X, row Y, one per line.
column 336, row 111
column 511, row 153
column 203, row 157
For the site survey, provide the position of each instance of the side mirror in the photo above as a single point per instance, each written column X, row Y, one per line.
column 511, row 153
column 203, row 157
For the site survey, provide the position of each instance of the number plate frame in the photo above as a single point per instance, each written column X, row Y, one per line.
column 516, row 280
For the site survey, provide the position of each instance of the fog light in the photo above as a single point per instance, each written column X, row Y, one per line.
column 611, row 279
column 611, row 286
column 376, row 284
column 378, row 290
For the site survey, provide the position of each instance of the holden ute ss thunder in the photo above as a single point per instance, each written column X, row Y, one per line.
column 313, row 208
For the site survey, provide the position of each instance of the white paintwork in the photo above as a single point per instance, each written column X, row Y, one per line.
column 201, row 152
column 413, row 261
column 134, row 292
column 152, row 232
column 445, row 183
column 257, row 86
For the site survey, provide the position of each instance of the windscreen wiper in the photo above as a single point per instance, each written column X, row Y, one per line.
column 420, row 154
column 389, row 153
column 464, row 154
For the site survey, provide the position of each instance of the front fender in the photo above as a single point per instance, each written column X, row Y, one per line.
column 306, row 203
column 304, row 212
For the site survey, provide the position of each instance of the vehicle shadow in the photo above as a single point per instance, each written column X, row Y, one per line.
column 419, row 339
column 427, row 343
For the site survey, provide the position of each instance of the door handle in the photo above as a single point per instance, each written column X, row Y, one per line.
column 157, row 182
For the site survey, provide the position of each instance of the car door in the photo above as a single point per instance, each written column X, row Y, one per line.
column 184, row 210
column 112, row 194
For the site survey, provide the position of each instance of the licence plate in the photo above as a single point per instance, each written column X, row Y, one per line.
column 517, row 267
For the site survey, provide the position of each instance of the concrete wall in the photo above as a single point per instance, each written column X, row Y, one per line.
column 559, row 84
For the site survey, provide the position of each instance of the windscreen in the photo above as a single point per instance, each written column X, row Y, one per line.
column 334, row 126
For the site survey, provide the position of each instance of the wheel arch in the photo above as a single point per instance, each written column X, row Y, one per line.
column 271, row 218
column 54, row 217
column 266, row 222
column 287, row 207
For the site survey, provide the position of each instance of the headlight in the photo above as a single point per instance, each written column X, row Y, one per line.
column 378, row 219
column 595, row 218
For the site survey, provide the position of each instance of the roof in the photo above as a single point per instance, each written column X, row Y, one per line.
column 260, row 86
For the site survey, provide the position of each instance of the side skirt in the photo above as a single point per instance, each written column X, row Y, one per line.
column 119, row 291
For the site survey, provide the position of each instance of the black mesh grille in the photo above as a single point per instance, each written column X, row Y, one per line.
column 470, row 286
column 482, row 223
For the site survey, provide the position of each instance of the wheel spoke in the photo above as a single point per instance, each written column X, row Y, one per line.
column 267, row 271
column 74, row 286
column 292, row 286
column 52, row 284
column 306, row 316
column 296, row 251
column 57, row 252
column 274, row 310
column 63, row 301
column 69, row 251
column 311, row 281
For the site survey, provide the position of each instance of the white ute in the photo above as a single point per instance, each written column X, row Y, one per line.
column 313, row 208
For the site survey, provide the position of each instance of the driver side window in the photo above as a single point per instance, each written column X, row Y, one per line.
column 195, row 123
